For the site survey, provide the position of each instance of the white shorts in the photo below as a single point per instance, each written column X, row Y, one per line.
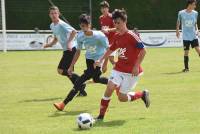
column 124, row 81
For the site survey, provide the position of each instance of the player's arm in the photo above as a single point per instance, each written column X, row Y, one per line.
column 53, row 42
column 178, row 25
column 76, row 56
column 70, row 40
column 197, row 29
column 141, row 56
column 107, row 30
column 104, row 57
column 177, row 29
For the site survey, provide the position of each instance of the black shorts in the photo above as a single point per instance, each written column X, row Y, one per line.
column 193, row 43
column 66, row 59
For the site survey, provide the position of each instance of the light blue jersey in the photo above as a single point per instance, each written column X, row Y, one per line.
column 62, row 31
column 188, row 22
column 95, row 45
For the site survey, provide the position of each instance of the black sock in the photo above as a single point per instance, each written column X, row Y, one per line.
column 74, row 77
column 102, row 80
column 186, row 60
column 70, row 96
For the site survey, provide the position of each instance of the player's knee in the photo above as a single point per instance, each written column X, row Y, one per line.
column 60, row 71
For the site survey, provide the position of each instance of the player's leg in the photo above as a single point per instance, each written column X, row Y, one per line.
column 195, row 44
column 186, row 55
column 106, row 100
column 113, row 83
column 97, row 76
column 77, row 86
column 125, row 93
column 64, row 64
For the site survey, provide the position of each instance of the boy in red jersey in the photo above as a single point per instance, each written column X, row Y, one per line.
column 107, row 25
column 127, row 70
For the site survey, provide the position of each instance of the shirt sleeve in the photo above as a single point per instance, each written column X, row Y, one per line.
column 197, row 16
column 67, row 28
column 79, row 43
column 52, row 30
column 104, row 40
column 138, row 42
column 179, row 17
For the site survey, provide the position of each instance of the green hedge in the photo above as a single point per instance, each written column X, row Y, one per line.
column 144, row 14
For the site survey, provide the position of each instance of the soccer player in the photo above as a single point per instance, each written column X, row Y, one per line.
column 188, row 20
column 66, row 35
column 107, row 26
column 95, row 43
column 127, row 70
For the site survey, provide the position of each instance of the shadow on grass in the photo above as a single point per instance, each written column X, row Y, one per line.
column 67, row 113
column 173, row 73
column 109, row 123
column 40, row 100
column 115, row 123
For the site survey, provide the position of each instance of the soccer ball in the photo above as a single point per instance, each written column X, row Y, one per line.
column 85, row 121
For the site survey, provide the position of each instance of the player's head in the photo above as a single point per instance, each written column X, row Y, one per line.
column 85, row 22
column 191, row 4
column 104, row 5
column 119, row 17
column 54, row 13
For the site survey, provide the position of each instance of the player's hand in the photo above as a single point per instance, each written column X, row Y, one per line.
column 46, row 45
column 70, row 70
column 105, row 29
column 69, row 46
column 178, row 34
column 197, row 33
column 97, row 63
column 135, row 71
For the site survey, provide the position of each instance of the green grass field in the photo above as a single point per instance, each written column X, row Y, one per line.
column 29, row 85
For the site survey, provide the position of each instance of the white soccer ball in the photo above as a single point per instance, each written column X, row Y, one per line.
column 85, row 121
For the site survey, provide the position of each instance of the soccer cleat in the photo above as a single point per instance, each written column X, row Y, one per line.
column 59, row 106
column 185, row 70
column 99, row 118
column 82, row 94
column 145, row 98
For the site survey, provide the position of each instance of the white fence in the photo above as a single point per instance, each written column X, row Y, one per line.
column 21, row 39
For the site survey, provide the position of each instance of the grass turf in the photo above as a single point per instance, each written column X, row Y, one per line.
column 29, row 85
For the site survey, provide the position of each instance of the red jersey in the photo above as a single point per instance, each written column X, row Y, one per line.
column 129, row 45
column 107, row 21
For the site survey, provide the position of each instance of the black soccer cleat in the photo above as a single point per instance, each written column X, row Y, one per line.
column 99, row 118
column 185, row 70
column 145, row 98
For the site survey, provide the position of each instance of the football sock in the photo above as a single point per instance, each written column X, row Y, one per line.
column 104, row 105
column 186, row 60
column 70, row 96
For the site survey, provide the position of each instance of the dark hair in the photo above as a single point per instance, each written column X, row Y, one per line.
column 119, row 13
column 85, row 19
column 104, row 4
column 53, row 8
column 188, row 2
